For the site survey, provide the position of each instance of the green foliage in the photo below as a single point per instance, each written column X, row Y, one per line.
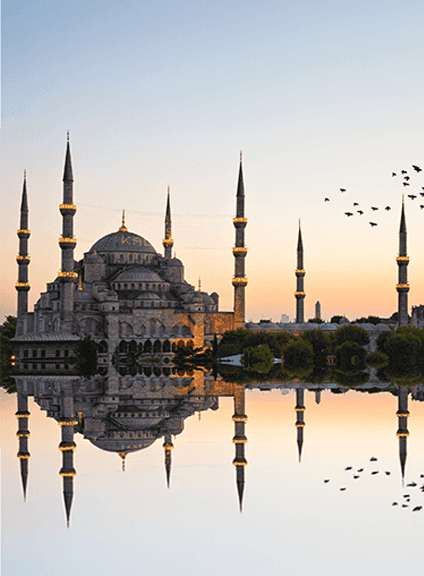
column 336, row 319
column 299, row 354
column 316, row 321
column 258, row 359
column 370, row 320
column 377, row 359
column 350, row 357
column 320, row 343
column 236, row 341
column 351, row 333
column 405, row 350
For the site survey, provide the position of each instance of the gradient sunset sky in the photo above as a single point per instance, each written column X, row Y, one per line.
column 319, row 95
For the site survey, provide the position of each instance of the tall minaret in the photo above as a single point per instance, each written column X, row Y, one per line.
column 67, row 446
column 239, row 252
column 239, row 439
column 300, row 274
column 402, row 261
column 402, row 432
column 23, row 433
column 168, row 446
column 22, row 285
column 167, row 241
column 67, row 243
column 300, row 422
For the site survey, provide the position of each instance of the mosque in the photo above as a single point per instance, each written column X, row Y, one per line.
column 122, row 290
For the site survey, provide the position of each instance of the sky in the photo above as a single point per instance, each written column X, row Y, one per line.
column 319, row 95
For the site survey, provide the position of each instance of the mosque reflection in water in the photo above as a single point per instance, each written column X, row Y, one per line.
column 125, row 414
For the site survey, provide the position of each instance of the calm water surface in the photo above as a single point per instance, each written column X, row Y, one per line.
column 291, row 520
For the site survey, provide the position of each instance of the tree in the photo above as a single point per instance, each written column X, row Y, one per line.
column 377, row 359
column 351, row 334
column 299, row 354
column 258, row 359
column 320, row 343
column 350, row 357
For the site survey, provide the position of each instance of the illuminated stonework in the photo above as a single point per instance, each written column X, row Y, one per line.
column 239, row 281
column 23, row 231
column 25, row 285
column 68, row 275
column 67, row 240
column 239, row 220
column 240, row 250
column 402, row 259
column 21, row 258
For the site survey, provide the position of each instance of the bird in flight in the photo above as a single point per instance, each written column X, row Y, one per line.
column 405, row 183
column 348, row 214
column 387, row 208
column 404, row 171
column 406, row 178
column 360, row 212
column 355, row 204
column 412, row 196
column 373, row 224
column 326, row 199
column 393, row 174
column 373, row 459
column 416, row 509
column 374, row 208
column 421, row 206
column 342, row 189
column 416, row 168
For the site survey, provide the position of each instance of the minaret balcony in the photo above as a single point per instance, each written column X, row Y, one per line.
column 167, row 446
column 300, row 424
column 402, row 287
column 67, row 275
column 23, row 286
column 23, row 455
column 239, row 440
column 23, row 259
column 240, row 462
column 23, row 414
column 299, row 272
column 64, row 242
column 402, row 259
column 402, row 433
column 67, row 472
column 242, row 250
column 239, row 418
column 23, row 233
column 300, row 294
column 67, row 422
column 240, row 222
column 402, row 413
column 23, row 433
column 239, row 281
column 167, row 243
column 66, row 209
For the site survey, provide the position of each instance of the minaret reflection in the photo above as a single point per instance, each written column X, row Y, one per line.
column 300, row 422
column 240, row 419
column 402, row 432
column 23, row 433
column 67, row 446
column 167, row 447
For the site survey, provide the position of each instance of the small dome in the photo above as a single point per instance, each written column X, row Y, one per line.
column 382, row 327
column 138, row 275
column 122, row 241
column 175, row 262
column 83, row 296
column 93, row 258
column 122, row 445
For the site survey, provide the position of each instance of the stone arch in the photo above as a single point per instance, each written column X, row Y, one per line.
column 166, row 346
column 123, row 347
column 102, row 347
column 126, row 329
column 173, row 347
column 148, row 347
column 157, row 346
column 132, row 348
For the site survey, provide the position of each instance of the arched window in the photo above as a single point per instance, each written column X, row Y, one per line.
column 123, row 347
column 132, row 348
column 166, row 346
column 147, row 371
column 173, row 347
column 157, row 347
column 157, row 371
column 132, row 286
column 148, row 347
column 190, row 344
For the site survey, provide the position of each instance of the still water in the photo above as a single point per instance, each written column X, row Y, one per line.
column 278, row 509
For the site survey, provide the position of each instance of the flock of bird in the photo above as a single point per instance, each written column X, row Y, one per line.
column 405, row 182
column 356, row 474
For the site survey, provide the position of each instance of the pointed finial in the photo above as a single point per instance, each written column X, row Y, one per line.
column 200, row 415
column 299, row 223
column 67, row 523
column 200, row 285
column 67, row 136
column 241, row 156
column 123, row 455
column 25, row 174
column 123, row 228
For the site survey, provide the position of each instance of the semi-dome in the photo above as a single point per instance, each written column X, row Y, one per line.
column 139, row 274
column 122, row 241
column 122, row 445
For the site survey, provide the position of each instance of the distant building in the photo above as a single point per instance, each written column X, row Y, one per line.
column 318, row 310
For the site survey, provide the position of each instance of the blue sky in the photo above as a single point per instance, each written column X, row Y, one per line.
column 318, row 95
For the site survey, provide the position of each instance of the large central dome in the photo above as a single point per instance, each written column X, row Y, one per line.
column 122, row 241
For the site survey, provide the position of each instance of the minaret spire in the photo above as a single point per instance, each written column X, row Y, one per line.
column 23, row 286
column 402, row 432
column 402, row 261
column 300, row 422
column 167, row 241
column 23, row 434
column 239, row 252
column 168, row 446
column 239, row 439
column 67, row 244
column 300, row 275
column 67, row 446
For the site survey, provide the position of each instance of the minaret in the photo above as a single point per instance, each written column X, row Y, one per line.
column 67, row 243
column 239, row 252
column 167, row 241
column 300, row 422
column 23, row 259
column 318, row 310
column 300, row 274
column 402, row 432
column 402, row 262
column 239, row 419
column 168, row 446
column 67, row 446
column 23, row 433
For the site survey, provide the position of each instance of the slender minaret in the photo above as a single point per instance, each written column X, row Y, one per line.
column 23, row 433
column 402, row 432
column 239, row 419
column 300, row 274
column 67, row 243
column 67, row 446
column 300, row 422
column 239, row 252
column 402, row 262
column 168, row 446
column 23, row 259
column 168, row 241
column 318, row 310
